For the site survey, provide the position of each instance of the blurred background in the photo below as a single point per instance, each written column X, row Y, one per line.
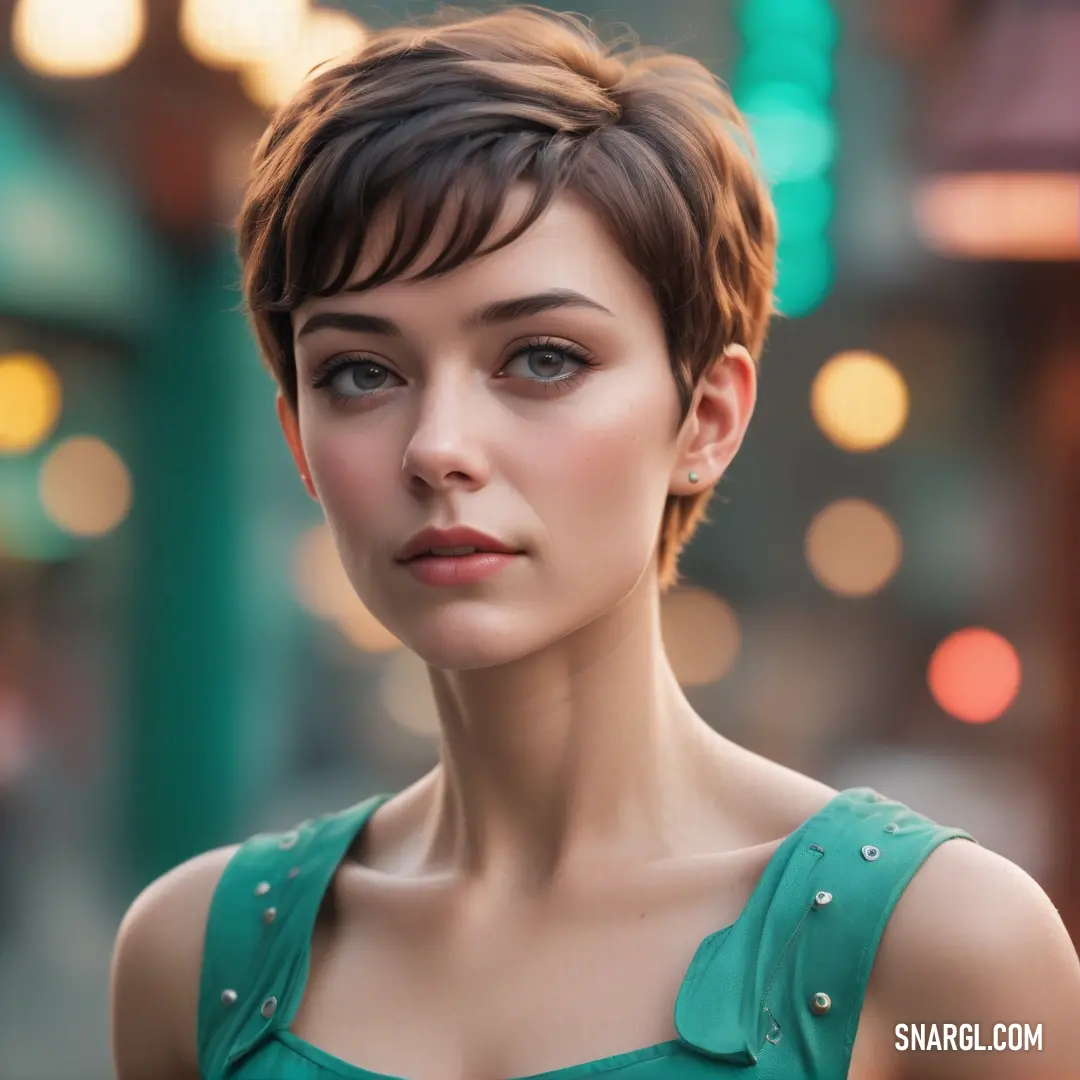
column 888, row 593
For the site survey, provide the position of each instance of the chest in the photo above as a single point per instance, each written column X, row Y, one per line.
column 402, row 989
column 510, row 996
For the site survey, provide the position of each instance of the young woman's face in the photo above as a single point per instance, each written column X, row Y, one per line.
column 526, row 395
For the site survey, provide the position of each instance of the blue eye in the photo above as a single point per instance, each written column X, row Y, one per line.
column 364, row 377
column 545, row 363
column 353, row 378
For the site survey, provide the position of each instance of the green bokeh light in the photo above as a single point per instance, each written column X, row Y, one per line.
column 783, row 60
column 805, row 276
column 812, row 22
column 795, row 134
column 803, row 208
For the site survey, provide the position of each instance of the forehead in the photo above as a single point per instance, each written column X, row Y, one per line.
column 567, row 247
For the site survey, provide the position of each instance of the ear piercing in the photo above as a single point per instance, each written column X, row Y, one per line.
column 693, row 478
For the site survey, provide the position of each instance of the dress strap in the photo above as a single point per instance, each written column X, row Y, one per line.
column 258, row 932
column 793, row 967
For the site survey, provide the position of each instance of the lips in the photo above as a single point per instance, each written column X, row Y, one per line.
column 455, row 542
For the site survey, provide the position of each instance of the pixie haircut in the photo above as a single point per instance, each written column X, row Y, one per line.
column 452, row 113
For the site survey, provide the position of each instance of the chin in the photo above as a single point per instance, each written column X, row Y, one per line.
column 468, row 637
column 467, row 656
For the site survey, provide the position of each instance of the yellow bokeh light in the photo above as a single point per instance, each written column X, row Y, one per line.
column 324, row 589
column 30, row 400
column 318, row 576
column 326, row 35
column 232, row 33
column 362, row 629
column 85, row 487
column 859, row 401
column 701, row 635
column 853, row 548
column 66, row 39
column 405, row 691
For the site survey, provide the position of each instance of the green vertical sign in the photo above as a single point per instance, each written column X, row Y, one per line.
column 179, row 748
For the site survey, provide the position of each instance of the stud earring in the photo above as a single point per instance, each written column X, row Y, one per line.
column 693, row 478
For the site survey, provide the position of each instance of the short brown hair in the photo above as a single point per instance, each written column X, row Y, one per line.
column 467, row 105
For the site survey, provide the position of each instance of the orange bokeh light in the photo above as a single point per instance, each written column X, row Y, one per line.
column 974, row 675
column 1001, row 215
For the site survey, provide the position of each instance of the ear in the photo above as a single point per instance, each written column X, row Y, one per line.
column 719, row 415
column 290, row 427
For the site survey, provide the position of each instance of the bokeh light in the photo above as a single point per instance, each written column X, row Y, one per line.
column 232, row 33
column 853, row 547
column 30, row 401
column 784, row 60
column 803, row 209
column 974, row 675
column 811, row 21
column 323, row 588
column 805, row 275
column 325, row 35
column 77, row 38
column 85, row 487
column 319, row 579
column 782, row 83
column 362, row 629
column 859, row 401
column 701, row 635
column 405, row 693
column 795, row 134
column 1001, row 215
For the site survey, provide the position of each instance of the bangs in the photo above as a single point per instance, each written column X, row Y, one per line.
column 445, row 153
column 344, row 210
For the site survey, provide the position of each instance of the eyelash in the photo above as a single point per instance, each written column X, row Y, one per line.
column 324, row 375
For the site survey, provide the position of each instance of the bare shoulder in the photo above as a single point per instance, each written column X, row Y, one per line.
column 769, row 799
column 974, row 939
column 156, row 967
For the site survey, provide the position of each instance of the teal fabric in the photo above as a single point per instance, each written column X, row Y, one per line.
column 744, row 1009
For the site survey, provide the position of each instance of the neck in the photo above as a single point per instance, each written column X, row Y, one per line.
column 585, row 750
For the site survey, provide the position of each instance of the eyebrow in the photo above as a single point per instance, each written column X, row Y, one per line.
column 499, row 311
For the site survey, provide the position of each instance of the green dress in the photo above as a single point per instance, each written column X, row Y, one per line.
column 774, row 996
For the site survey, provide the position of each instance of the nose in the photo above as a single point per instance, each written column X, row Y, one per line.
column 445, row 449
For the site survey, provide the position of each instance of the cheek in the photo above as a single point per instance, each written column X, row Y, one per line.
column 353, row 475
column 606, row 479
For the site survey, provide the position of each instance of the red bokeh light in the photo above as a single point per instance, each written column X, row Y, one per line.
column 974, row 675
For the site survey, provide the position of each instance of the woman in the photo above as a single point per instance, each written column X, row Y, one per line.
column 513, row 289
